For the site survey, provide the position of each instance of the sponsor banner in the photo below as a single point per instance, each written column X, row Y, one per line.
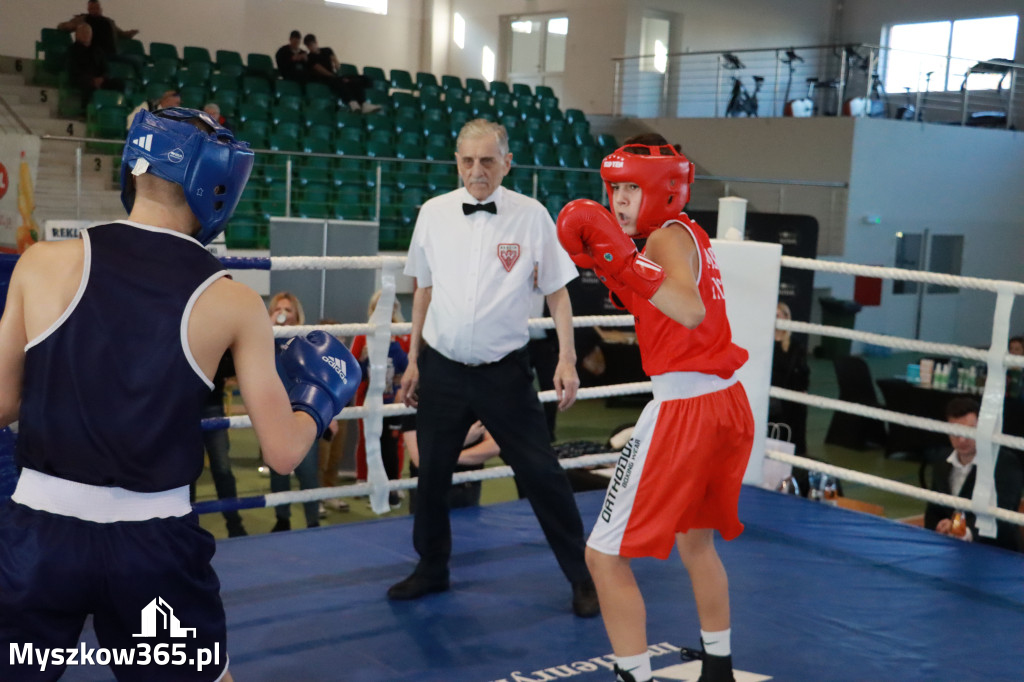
column 19, row 163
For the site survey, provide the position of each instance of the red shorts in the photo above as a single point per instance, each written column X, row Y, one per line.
column 682, row 469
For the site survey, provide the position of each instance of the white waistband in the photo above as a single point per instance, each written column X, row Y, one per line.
column 681, row 385
column 97, row 503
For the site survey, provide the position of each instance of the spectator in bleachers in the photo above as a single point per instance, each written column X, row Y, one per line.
column 105, row 31
column 323, row 68
column 170, row 98
column 87, row 67
column 292, row 59
column 213, row 109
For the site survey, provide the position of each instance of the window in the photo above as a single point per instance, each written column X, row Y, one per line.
column 947, row 50
column 375, row 6
column 487, row 64
column 654, row 42
column 459, row 30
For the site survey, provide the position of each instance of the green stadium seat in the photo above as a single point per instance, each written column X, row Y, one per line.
column 375, row 73
column 345, row 69
column 317, row 117
column 402, row 80
column 234, row 70
column 193, row 96
column 380, row 136
column 255, row 132
column 475, row 85
column 517, row 134
column 544, row 92
column 521, row 89
column 552, row 115
column 198, row 74
column 350, row 133
column 425, row 79
column 161, row 70
column 441, row 177
column 293, row 102
column 259, row 99
column 108, row 123
column 323, row 105
column 568, row 156
column 503, row 104
column 431, row 97
column 319, row 131
column 53, row 44
column 249, row 111
column 379, row 121
column 591, row 157
column 319, row 91
column 284, row 88
column 582, row 139
column 222, row 81
column 378, row 97
column 437, row 129
column 407, row 119
column 227, row 100
column 229, row 57
column 159, row 51
column 404, row 100
column 125, row 72
column 573, row 115
column 499, row 88
column 448, row 82
column 351, row 203
column 559, row 131
column 607, row 143
column 251, row 84
column 345, row 118
column 288, row 129
column 455, row 100
column 259, row 64
column 196, row 55
column 457, row 119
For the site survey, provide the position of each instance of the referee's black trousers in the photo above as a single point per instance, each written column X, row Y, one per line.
column 501, row 395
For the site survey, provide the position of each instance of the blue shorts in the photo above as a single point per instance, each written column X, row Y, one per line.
column 148, row 584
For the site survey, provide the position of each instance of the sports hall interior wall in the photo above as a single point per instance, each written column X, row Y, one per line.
column 914, row 177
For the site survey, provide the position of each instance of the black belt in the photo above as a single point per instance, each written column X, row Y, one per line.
column 476, row 365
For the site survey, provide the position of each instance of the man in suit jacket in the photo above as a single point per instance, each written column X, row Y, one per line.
column 956, row 475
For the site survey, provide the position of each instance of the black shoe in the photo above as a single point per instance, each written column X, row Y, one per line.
column 713, row 668
column 716, row 669
column 281, row 525
column 416, row 586
column 584, row 600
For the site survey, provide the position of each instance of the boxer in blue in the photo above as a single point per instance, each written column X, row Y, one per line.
column 108, row 346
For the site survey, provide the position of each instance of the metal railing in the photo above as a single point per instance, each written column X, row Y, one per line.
column 821, row 80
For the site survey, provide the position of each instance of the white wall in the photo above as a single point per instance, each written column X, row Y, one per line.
column 948, row 180
column 391, row 41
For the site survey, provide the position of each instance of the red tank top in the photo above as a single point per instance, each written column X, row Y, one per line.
column 667, row 346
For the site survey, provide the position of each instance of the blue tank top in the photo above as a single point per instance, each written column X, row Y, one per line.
column 111, row 393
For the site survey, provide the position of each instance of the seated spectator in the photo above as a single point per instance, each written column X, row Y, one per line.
column 790, row 370
column 1016, row 346
column 956, row 476
column 170, row 98
column 87, row 66
column 105, row 31
column 323, row 68
column 478, row 447
column 291, row 59
column 213, row 109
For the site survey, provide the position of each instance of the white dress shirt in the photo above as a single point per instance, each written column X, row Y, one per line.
column 481, row 269
column 958, row 474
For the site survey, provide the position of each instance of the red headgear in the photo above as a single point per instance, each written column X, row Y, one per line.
column 661, row 172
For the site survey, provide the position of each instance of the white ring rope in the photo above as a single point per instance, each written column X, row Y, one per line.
column 890, row 416
column 895, row 486
column 993, row 285
column 997, row 359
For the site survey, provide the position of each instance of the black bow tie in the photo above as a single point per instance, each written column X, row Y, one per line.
column 470, row 209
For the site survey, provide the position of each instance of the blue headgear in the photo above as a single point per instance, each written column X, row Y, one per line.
column 211, row 167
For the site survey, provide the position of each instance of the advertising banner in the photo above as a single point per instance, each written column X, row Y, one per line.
column 19, row 162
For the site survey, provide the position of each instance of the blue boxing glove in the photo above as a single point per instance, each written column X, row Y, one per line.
column 320, row 375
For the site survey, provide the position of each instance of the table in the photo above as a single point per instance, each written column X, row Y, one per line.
column 900, row 395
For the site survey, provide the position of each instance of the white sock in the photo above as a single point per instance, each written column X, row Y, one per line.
column 717, row 643
column 638, row 666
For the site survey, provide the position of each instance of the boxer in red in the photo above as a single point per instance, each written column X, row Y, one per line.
column 678, row 479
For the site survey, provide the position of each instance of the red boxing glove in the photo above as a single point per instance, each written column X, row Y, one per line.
column 586, row 228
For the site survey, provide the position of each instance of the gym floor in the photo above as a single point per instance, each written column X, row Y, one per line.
column 593, row 420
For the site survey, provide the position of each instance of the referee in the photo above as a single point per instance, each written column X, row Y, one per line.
column 473, row 254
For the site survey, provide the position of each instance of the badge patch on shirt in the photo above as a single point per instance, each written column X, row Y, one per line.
column 508, row 254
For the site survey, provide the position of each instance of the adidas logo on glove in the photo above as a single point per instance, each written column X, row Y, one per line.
column 337, row 365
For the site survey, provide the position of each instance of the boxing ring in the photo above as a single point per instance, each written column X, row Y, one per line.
column 818, row 592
